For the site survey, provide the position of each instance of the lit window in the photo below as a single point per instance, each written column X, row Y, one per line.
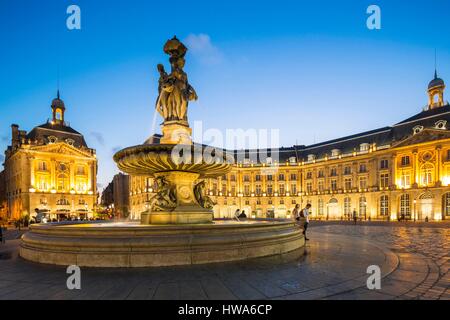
column 384, row 205
column 406, row 161
column 384, row 164
column 427, row 173
column 405, row 206
column 347, row 206
column 384, row 180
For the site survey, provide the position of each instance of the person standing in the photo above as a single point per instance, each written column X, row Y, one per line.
column 305, row 214
column 355, row 216
column 1, row 235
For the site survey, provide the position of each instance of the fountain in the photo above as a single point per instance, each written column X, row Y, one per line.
column 178, row 227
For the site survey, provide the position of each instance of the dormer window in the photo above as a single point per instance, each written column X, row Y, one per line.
column 441, row 125
column 292, row 160
column 311, row 157
column 417, row 129
column 52, row 139
column 364, row 147
column 70, row 142
column 335, row 152
column 269, row 160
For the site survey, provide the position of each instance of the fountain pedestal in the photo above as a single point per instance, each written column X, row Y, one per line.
column 187, row 210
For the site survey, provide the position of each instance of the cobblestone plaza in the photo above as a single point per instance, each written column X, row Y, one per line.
column 414, row 261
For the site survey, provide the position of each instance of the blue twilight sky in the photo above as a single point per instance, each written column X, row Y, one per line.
column 309, row 68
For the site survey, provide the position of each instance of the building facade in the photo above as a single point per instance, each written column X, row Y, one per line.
column 50, row 170
column 399, row 171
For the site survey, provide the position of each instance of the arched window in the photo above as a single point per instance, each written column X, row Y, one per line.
column 362, row 206
column 405, row 205
column 58, row 114
column 384, row 205
column 427, row 174
column 347, row 206
column 63, row 182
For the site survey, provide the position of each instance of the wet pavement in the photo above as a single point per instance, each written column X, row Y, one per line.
column 414, row 263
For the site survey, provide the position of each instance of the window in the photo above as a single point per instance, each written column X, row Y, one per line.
column 362, row 182
column 362, row 206
column 233, row 190
column 281, row 177
column 309, row 187
column 384, row 180
column 258, row 190
column 281, row 189
column 441, row 125
column 335, row 152
column 320, row 174
column 270, row 202
column 269, row 189
column 417, row 129
column 246, row 178
column 426, row 174
column 42, row 166
column 294, row 201
column 247, row 190
column 80, row 170
column 294, row 189
column 309, row 175
column 384, row 205
column 348, row 184
column 258, row 177
column 282, row 201
column 233, row 178
column 62, row 202
column 362, row 168
column 321, row 186
column 81, row 202
column 269, row 177
column 406, row 161
column 311, row 157
column 63, row 182
column 320, row 207
column 347, row 206
column 405, row 180
column 292, row 160
column 333, row 172
column 446, row 203
column 334, row 185
column 364, row 147
column 405, row 206
column 348, row 170
column 224, row 188
column 384, row 164
column 293, row 177
column 42, row 184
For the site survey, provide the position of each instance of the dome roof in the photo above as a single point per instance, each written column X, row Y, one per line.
column 436, row 82
column 58, row 103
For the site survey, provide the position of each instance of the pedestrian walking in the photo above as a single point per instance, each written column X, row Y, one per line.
column 355, row 216
column 305, row 215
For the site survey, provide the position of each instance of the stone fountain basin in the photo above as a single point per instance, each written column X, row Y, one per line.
column 149, row 159
column 133, row 245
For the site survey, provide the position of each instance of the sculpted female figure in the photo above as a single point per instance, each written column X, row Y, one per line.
column 175, row 92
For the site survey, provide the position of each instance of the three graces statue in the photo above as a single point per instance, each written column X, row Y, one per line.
column 175, row 92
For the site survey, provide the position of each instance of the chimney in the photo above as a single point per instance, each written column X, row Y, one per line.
column 15, row 136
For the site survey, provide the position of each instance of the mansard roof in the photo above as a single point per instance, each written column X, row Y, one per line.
column 60, row 131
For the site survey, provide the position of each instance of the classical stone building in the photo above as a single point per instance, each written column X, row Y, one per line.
column 51, row 170
column 396, row 171
column 117, row 195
